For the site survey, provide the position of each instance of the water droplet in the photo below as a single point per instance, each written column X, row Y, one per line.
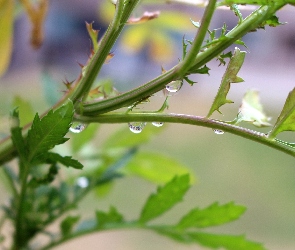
column 136, row 127
column 83, row 182
column 218, row 131
column 174, row 86
column 77, row 127
column 158, row 124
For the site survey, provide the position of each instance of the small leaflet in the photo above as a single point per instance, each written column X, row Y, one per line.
column 251, row 110
column 165, row 198
column 230, row 76
column 93, row 35
column 147, row 16
column 210, row 216
column 67, row 225
column 286, row 120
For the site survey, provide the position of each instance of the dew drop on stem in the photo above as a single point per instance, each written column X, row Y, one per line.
column 77, row 127
column 136, row 127
column 83, row 182
column 218, row 131
column 174, row 86
column 158, row 124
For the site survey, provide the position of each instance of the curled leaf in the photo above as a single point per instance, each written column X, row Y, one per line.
column 251, row 110
column 286, row 120
column 93, row 35
column 147, row 16
column 230, row 76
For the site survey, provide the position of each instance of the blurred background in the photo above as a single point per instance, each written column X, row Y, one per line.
column 227, row 168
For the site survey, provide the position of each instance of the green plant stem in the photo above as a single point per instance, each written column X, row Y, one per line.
column 113, row 226
column 188, row 119
column 128, row 98
column 123, row 11
column 184, row 66
column 20, row 239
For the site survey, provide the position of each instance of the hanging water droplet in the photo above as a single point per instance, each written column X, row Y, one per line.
column 83, row 182
column 77, row 127
column 174, row 86
column 136, row 127
column 158, row 124
column 218, row 131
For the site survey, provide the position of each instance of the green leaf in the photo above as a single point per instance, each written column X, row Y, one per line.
column 46, row 179
column 203, row 70
column 211, row 216
column 93, row 35
column 6, row 33
column 26, row 112
column 67, row 225
column 230, row 76
column 125, row 139
column 273, row 21
column 64, row 160
column 251, row 110
column 79, row 140
column 286, row 119
column 49, row 131
column 155, row 167
column 235, row 9
column 165, row 198
column 214, row 241
column 113, row 216
column 17, row 138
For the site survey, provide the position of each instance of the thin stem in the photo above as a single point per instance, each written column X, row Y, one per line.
column 186, row 64
column 123, row 10
column 20, row 239
column 188, row 119
column 112, row 226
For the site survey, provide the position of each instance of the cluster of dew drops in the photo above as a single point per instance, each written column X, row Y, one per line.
column 137, row 127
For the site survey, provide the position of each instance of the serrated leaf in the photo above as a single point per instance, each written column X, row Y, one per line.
column 286, row 119
column 251, row 110
column 79, row 140
column 230, row 76
column 211, row 216
column 203, row 70
column 155, row 167
column 49, row 131
column 6, row 33
column 67, row 225
column 64, row 160
column 165, row 198
column 214, row 241
column 103, row 218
